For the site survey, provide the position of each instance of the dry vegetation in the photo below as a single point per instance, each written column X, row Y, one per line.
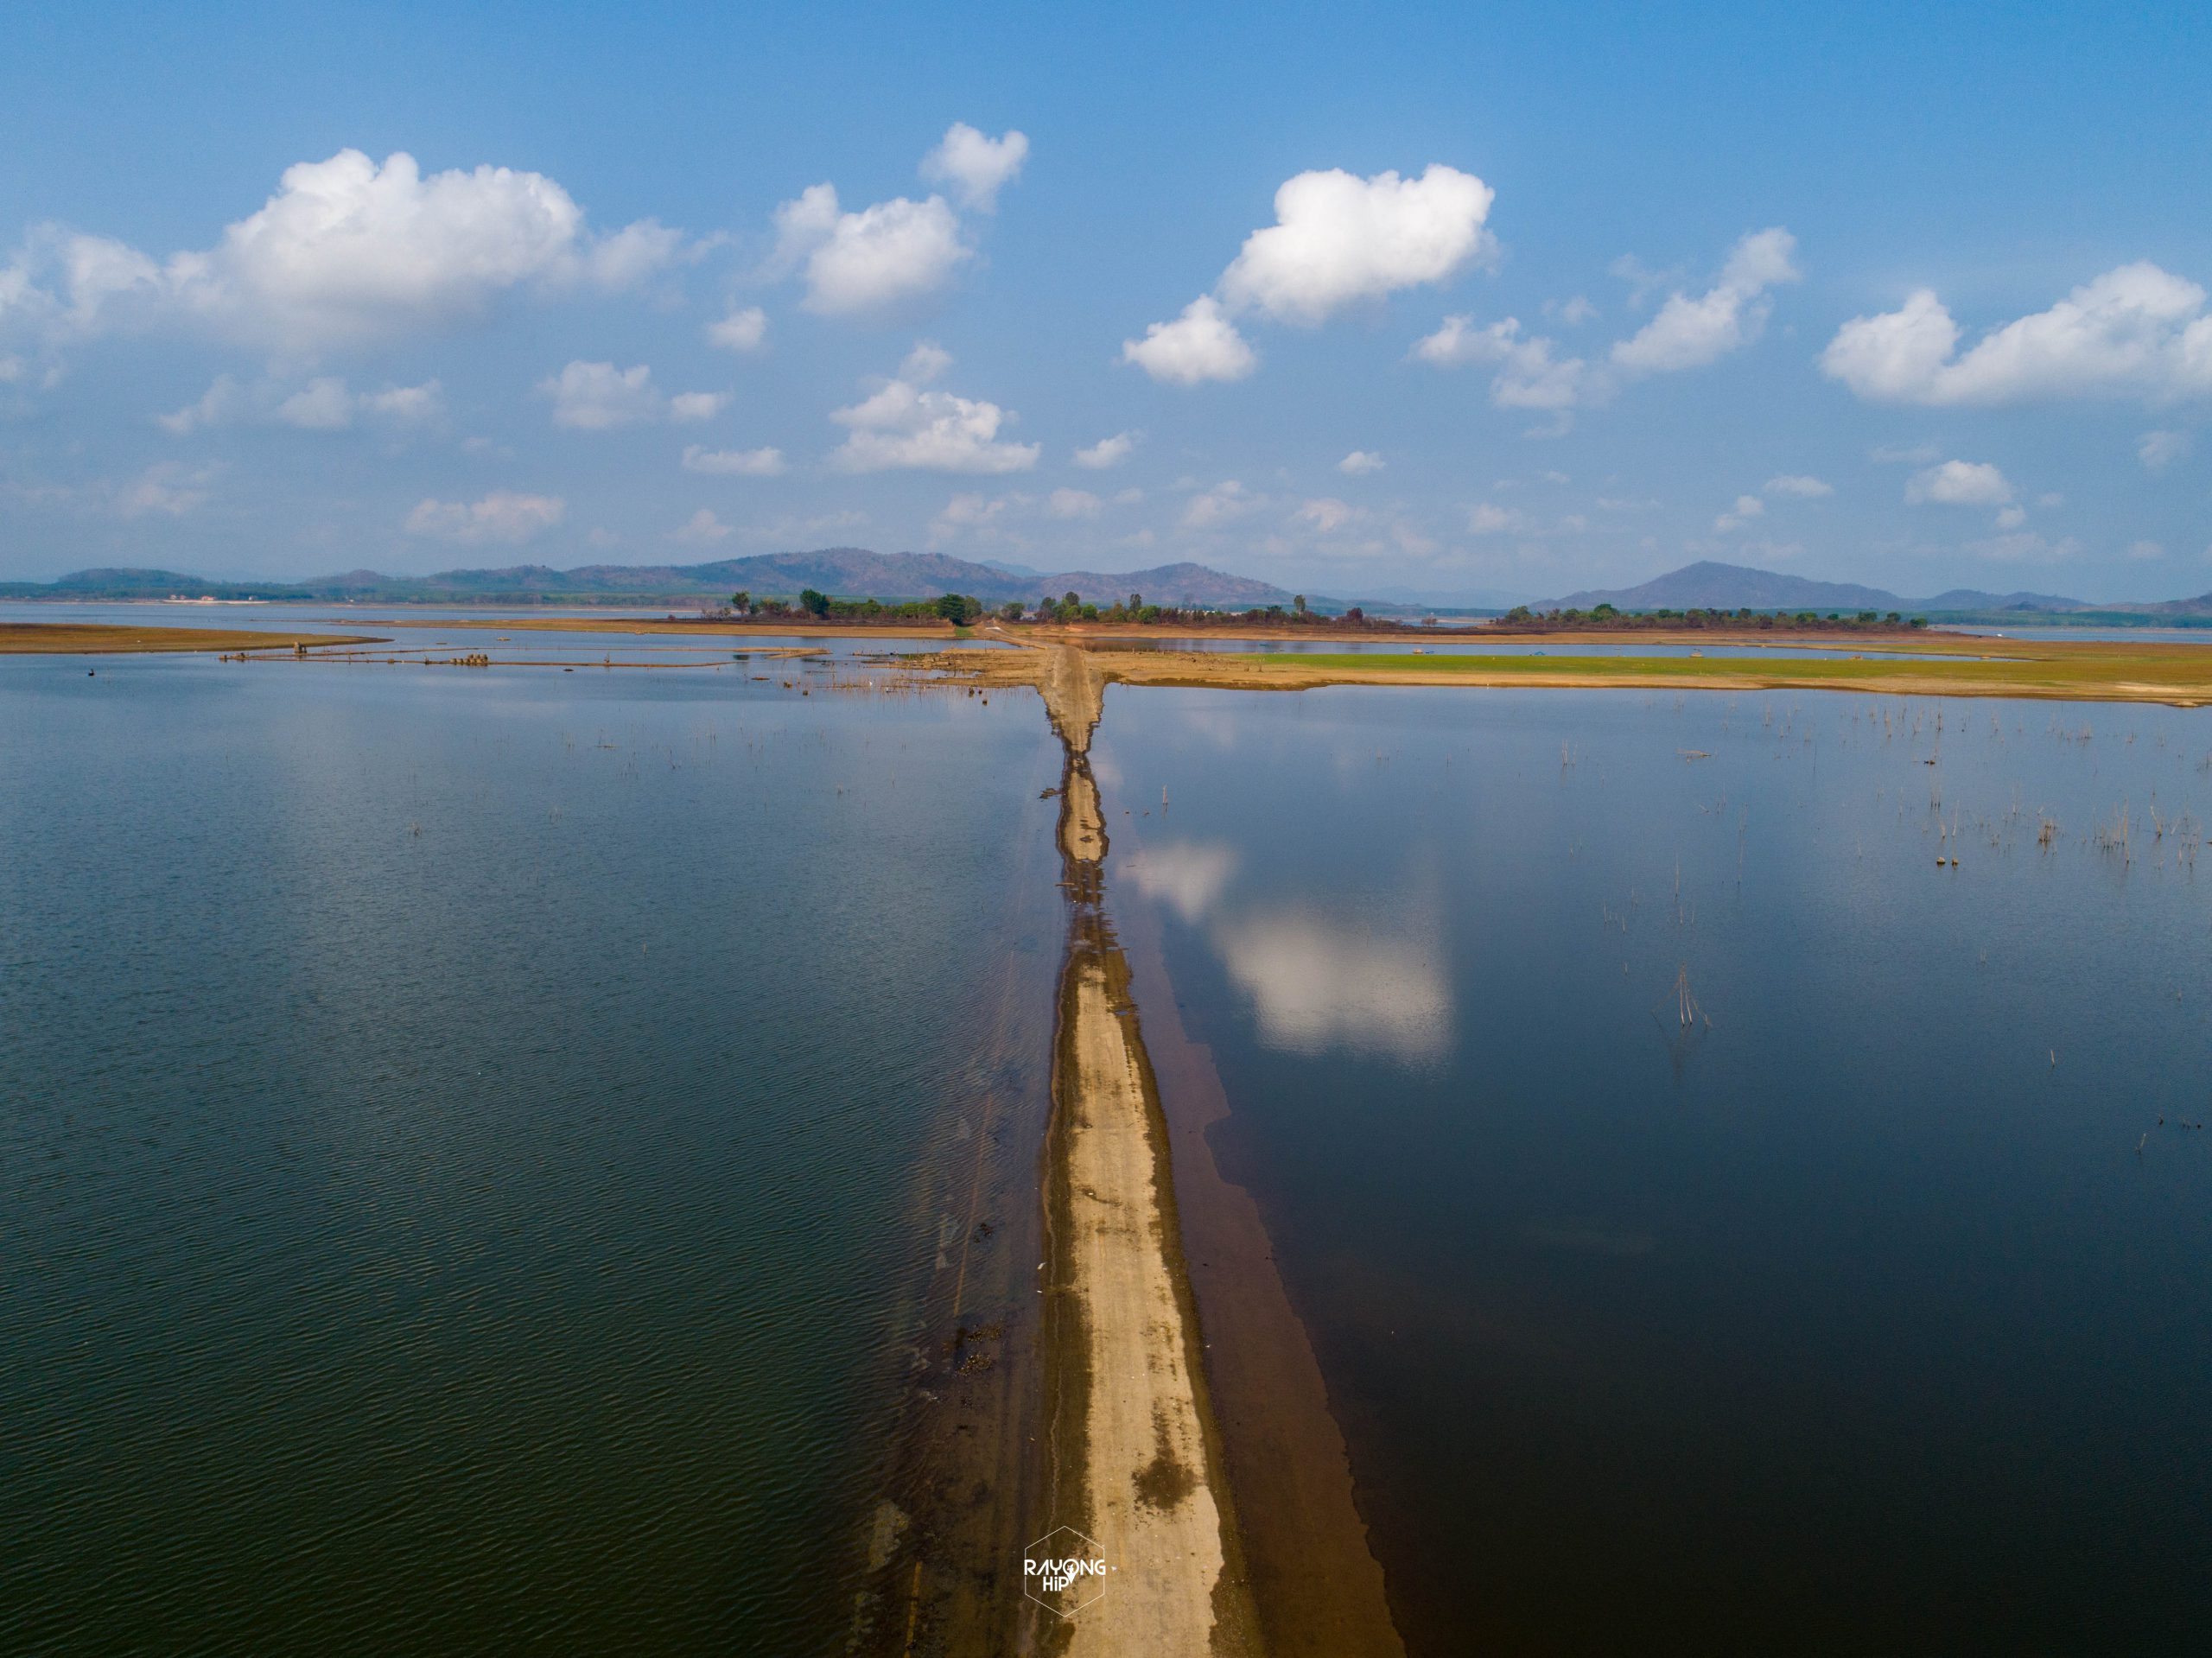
column 1952, row 665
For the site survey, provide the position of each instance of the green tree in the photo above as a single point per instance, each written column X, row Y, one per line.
column 1011, row 610
column 740, row 600
column 1298, row 603
column 814, row 603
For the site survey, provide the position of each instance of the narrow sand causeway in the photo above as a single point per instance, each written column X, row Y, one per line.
column 1151, row 1502
column 1134, row 1470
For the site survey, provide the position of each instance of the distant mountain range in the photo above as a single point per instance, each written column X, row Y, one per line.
column 842, row 572
column 1710, row 586
column 855, row 573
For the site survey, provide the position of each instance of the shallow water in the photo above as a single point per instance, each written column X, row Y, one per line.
column 469, row 1140
column 1853, row 1320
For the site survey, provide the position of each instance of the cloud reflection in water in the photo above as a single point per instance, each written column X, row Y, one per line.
column 1316, row 985
column 1377, row 986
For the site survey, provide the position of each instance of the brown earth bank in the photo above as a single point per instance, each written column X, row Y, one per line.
column 2087, row 670
column 95, row 638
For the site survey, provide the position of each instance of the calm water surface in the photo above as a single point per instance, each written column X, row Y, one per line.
column 468, row 1140
column 1854, row 1320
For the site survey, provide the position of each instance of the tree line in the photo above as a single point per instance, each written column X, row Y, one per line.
column 965, row 609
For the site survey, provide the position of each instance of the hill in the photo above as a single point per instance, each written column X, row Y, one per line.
column 1709, row 585
column 844, row 572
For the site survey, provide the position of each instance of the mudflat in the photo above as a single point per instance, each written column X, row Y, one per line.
column 2069, row 669
column 101, row 639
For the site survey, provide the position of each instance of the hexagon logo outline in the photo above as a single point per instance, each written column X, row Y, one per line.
column 1065, row 1571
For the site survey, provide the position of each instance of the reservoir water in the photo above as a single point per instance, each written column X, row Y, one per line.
column 470, row 1140
column 1721, row 1225
column 474, row 1144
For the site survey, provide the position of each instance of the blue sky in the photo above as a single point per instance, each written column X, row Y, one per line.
column 1515, row 299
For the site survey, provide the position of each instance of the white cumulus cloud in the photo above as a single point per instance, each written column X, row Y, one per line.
column 1072, row 504
column 1960, row 483
column 1690, row 331
column 927, row 361
column 322, row 405
column 741, row 330
column 1107, row 451
column 1200, row 345
column 597, row 397
column 902, row 426
column 346, row 250
column 1746, row 508
column 1223, row 504
column 1339, row 239
column 696, row 405
column 976, row 167
column 1360, row 463
column 1528, row 374
column 871, row 260
column 2135, row 331
column 500, row 517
